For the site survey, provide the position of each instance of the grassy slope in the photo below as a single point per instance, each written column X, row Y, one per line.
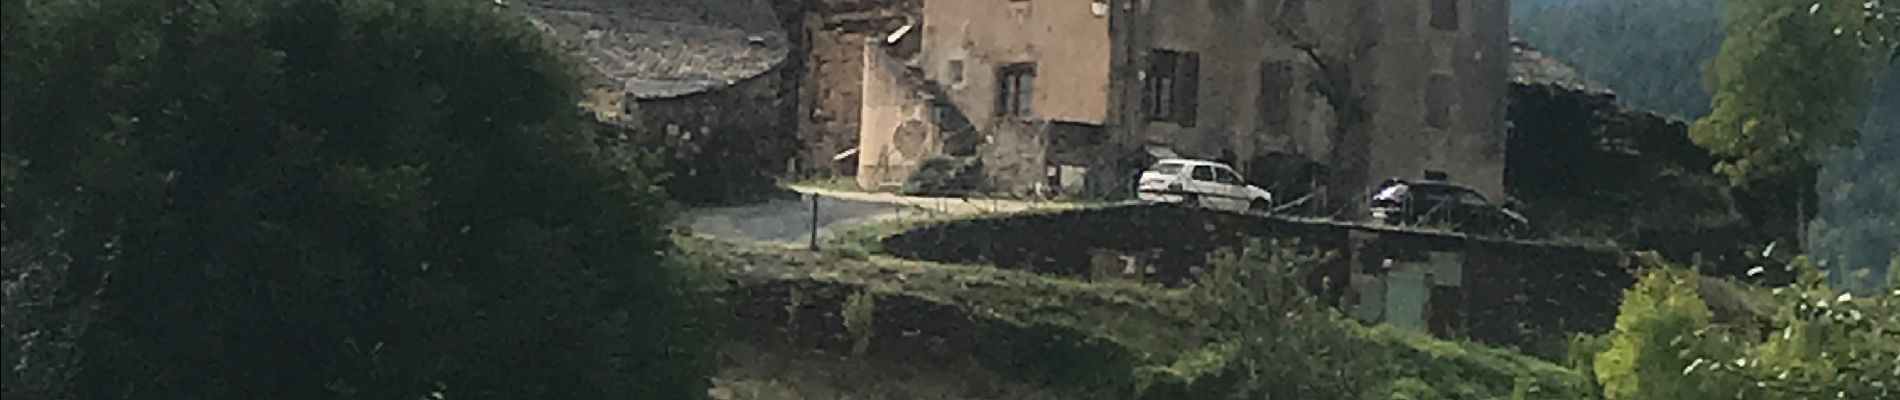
column 1156, row 325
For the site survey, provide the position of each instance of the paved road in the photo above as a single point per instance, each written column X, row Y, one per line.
column 788, row 222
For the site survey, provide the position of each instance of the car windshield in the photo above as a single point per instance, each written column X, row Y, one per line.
column 1167, row 168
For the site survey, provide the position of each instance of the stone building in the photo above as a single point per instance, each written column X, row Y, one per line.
column 705, row 84
column 832, row 91
column 1300, row 95
column 975, row 82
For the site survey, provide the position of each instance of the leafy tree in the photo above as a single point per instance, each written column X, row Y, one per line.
column 1788, row 82
column 1657, row 338
column 324, row 198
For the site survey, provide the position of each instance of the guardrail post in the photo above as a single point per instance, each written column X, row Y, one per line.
column 814, row 222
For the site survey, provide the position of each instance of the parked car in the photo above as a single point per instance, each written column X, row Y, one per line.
column 1443, row 204
column 1200, row 183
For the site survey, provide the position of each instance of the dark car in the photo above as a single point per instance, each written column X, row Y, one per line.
column 1433, row 203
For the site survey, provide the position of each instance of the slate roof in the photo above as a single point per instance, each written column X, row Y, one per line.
column 1529, row 66
column 656, row 49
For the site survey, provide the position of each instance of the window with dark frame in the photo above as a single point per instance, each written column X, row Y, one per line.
column 1172, row 89
column 1445, row 14
column 1014, row 88
column 956, row 71
column 1439, row 101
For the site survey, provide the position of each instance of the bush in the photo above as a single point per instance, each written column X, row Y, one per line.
column 1820, row 344
column 320, row 198
column 1659, row 333
column 946, row 176
column 1276, row 340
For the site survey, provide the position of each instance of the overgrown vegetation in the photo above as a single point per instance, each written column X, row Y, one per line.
column 314, row 198
column 1272, row 339
column 1820, row 343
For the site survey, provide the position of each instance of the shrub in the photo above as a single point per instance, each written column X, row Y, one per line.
column 1820, row 344
column 1658, row 337
column 1275, row 339
column 946, row 176
column 321, row 198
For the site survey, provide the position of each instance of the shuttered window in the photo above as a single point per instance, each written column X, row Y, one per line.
column 1014, row 89
column 1173, row 91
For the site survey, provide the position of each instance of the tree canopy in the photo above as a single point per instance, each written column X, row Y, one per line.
column 324, row 198
column 1790, row 82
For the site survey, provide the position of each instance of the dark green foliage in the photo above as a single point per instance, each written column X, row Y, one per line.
column 358, row 198
column 1788, row 84
column 1651, row 52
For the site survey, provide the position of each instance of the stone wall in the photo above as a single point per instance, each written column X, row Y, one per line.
column 720, row 146
column 1505, row 292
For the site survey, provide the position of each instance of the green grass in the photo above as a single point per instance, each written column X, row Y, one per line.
column 1158, row 327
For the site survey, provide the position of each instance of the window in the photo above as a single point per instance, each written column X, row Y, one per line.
column 1014, row 84
column 1173, row 79
column 1203, row 173
column 1445, row 14
column 1438, row 101
column 956, row 71
column 1226, row 177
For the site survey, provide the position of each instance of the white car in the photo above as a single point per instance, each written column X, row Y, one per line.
column 1200, row 183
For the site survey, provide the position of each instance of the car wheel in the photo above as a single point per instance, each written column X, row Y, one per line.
column 1191, row 200
column 1260, row 206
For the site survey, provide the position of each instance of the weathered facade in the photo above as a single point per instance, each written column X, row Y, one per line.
column 832, row 89
column 1365, row 90
column 1297, row 94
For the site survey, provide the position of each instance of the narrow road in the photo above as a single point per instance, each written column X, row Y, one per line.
column 788, row 222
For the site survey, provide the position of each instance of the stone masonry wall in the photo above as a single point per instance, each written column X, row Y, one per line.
column 1511, row 292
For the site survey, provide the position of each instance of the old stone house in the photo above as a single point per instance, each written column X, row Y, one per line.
column 704, row 84
column 1298, row 94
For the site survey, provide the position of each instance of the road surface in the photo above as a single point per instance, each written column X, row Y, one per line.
column 788, row 222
